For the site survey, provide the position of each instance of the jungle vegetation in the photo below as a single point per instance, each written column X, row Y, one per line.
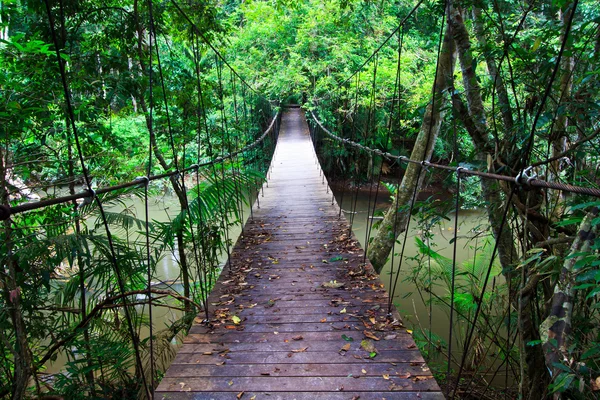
column 495, row 86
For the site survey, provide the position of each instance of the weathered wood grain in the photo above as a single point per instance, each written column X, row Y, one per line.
column 295, row 337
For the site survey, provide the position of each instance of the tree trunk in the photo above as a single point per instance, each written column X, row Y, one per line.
column 495, row 75
column 12, row 298
column 558, row 136
column 475, row 121
column 555, row 329
column 395, row 221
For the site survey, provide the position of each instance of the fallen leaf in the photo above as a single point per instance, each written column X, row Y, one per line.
column 302, row 350
column 236, row 320
column 230, row 327
column 230, row 383
column 386, row 376
column 332, row 284
column 367, row 345
column 372, row 320
column 364, row 371
column 324, row 320
column 207, row 353
column 299, row 337
column 370, row 335
column 343, row 311
column 596, row 384
column 239, row 395
column 347, row 338
column 390, row 337
column 409, row 331
column 345, row 347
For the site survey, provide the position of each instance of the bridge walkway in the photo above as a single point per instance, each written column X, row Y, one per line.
column 297, row 315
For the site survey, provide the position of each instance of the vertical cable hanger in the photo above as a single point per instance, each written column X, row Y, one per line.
column 356, row 152
column 370, row 117
column 87, row 180
column 201, row 226
column 252, row 156
column 146, row 199
column 399, row 81
column 236, row 159
column 224, row 133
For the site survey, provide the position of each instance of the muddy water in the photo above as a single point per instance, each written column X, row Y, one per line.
column 162, row 208
column 412, row 305
column 408, row 301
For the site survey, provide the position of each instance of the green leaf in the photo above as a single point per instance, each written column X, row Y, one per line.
column 594, row 351
column 347, row 338
column 536, row 44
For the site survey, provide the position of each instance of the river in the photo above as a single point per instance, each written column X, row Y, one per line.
column 410, row 303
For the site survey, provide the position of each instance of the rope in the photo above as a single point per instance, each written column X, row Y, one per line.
column 391, row 35
column 521, row 180
column 217, row 53
column 6, row 211
column 202, row 226
column 370, row 115
column 146, row 199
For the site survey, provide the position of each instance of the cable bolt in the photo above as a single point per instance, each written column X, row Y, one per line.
column 523, row 179
column 143, row 181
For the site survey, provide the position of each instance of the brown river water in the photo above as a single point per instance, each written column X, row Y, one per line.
column 408, row 301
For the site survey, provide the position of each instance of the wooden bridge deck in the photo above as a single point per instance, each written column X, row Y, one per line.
column 297, row 339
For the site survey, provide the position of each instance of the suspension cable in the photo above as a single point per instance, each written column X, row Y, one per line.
column 522, row 179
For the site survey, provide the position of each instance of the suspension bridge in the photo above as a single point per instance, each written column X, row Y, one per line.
column 297, row 313
column 298, row 310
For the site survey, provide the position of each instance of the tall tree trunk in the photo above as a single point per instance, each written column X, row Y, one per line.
column 80, row 263
column 475, row 121
column 558, row 137
column 12, row 298
column 395, row 221
column 555, row 330
column 495, row 75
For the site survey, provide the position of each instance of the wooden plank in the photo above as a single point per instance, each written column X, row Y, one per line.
column 331, row 370
column 310, row 346
column 343, row 395
column 295, row 384
column 293, row 338
column 266, row 357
